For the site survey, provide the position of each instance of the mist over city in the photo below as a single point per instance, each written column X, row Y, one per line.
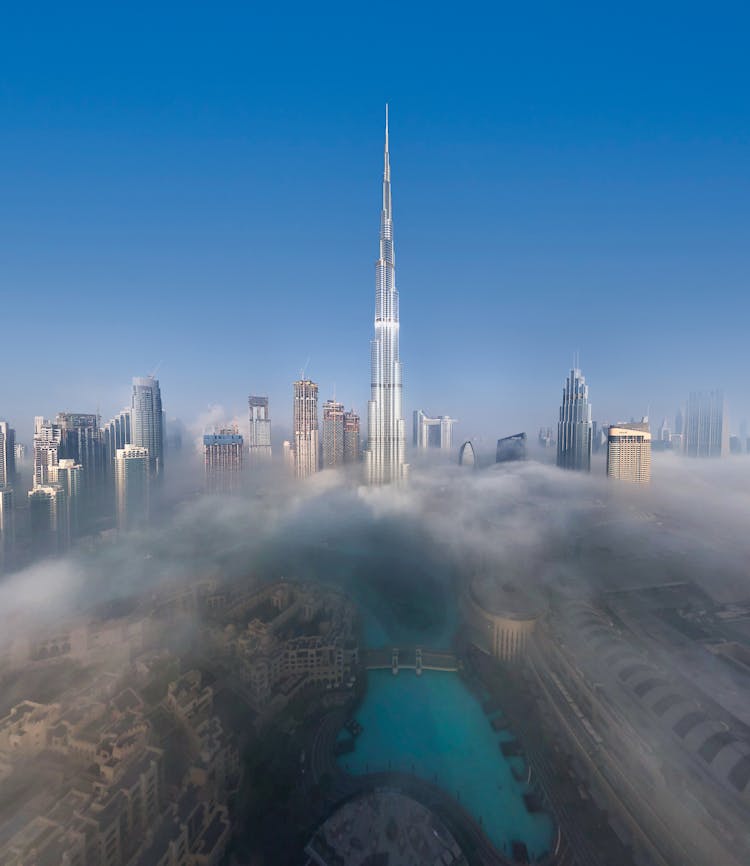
column 374, row 448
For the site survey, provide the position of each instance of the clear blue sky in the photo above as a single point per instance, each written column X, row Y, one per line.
column 197, row 186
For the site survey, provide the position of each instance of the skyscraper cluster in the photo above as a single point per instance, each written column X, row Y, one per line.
column 81, row 468
column 83, row 472
column 313, row 448
column 701, row 430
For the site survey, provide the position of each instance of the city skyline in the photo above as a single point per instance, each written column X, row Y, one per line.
column 567, row 191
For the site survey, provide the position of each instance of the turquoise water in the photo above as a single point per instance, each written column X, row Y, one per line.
column 433, row 726
column 404, row 587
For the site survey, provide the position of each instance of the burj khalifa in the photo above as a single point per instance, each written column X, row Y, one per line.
column 385, row 455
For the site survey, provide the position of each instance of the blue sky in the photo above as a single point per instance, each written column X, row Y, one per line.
column 197, row 188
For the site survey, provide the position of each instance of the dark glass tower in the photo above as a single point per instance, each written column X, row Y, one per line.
column 574, row 429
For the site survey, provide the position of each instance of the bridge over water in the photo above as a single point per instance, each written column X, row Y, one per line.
column 417, row 659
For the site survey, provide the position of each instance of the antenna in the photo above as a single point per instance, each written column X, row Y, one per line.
column 303, row 369
column 156, row 370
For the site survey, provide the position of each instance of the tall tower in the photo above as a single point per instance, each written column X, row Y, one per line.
column 259, row 442
column 7, row 528
column 81, row 442
column 574, row 427
column 47, row 439
column 352, row 446
column 223, row 458
column 706, row 429
column 48, row 515
column 306, row 442
column 385, row 456
column 7, row 455
column 333, row 433
column 116, row 434
column 147, row 421
column 132, row 486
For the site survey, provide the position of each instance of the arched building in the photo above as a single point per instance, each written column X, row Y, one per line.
column 467, row 456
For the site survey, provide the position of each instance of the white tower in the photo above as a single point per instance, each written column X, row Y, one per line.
column 385, row 455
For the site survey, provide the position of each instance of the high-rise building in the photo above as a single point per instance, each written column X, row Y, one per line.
column 287, row 455
column 385, row 456
column 116, row 434
column 132, row 477
column 306, row 441
column 433, row 432
column 352, row 439
column 259, row 441
column 7, row 528
column 629, row 452
column 20, row 452
column 679, row 423
column 574, row 429
column 47, row 439
column 511, row 448
column 147, row 421
column 223, row 457
column 7, row 455
column 71, row 476
column 546, row 437
column 48, row 514
column 665, row 434
column 706, row 430
column 333, row 433
column 81, row 442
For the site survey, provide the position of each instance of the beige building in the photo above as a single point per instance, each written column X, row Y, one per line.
column 306, row 434
column 500, row 616
column 629, row 452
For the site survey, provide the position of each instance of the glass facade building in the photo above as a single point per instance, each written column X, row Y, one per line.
column 574, row 429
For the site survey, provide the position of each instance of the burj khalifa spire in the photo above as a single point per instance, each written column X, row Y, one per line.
column 385, row 455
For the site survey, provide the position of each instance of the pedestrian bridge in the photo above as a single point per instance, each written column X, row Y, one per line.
column 416, row 659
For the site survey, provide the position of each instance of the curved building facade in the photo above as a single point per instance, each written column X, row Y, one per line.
column 467, row 456
column 500, row 617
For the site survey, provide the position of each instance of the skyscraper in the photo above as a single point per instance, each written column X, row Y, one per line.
column 223, row 458
column 385, row 456
column 511, row 448
column 432, row 432
column 629, row 452
column 81, row 442
column 352, row 441
column 147, row 421
column 259, row 440
column 7, row 455
column 71, row 476
column 333, row 433
column 116, row 434
column 7, row 527
column 47, row 439
column 306, row 442
column 574, row 429
column 48, row 514
column 706, row 430
column 132, row 474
